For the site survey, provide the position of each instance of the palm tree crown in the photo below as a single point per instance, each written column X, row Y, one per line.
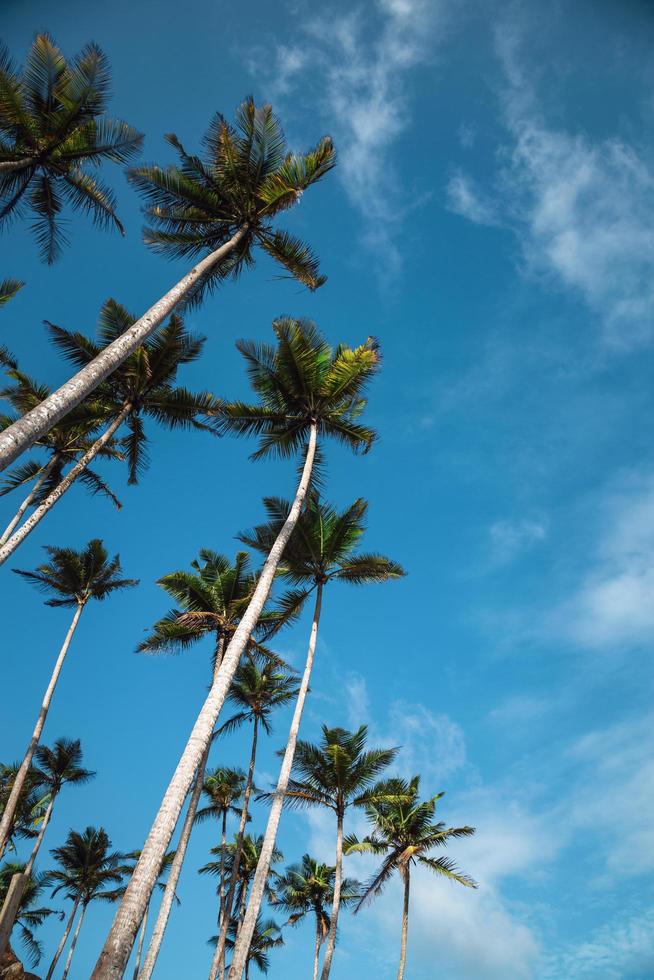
column 257, row 690
column 88, row 868
column 223, row 787
column 53, row 124
column 266, row 936
column 246, row 178
column 250, row 852
column 60, row 764
column 77, row 576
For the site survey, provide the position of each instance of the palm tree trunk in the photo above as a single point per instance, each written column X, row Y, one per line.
column 21, row 776
column 39, row 840
column 115, row 953
column 64, row 939
column 28, row 499
column 336, row 904
column 180, row 852
column 25, row 431
column 74, row 943
column 8, row 166
column 316, row 951
column 10, row 546
column 405, row 926
column 219, row 954
column 139, row 949
column 263, row 865
column 223, row 848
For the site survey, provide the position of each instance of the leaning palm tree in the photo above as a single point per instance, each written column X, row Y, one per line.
column 53, row 124
column 133, row 856
column 308, row 888
column 266, row 936
column 404, row 832
column 143, row 388
column 215, row 210
column 8, row 289
column 306, row 389
column 336, row 774
column 322, row 549
column 29, row 915
column 75, row 578
column 88, row 871
column 256, row 691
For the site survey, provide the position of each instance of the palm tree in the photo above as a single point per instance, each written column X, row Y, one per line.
column 75, row 578
column 217, row 209
column 404, row 832
column 266, row 936
column 142, row 388
column 321, row 550
column 163, row 872
column 89, row 871
column 337, row 774
column 29, row 915
column 256, row 691
column 8, row 289
column 243, row 870
column 53, row 123
column 308, row 888
column 31, row 803
column 305, row 389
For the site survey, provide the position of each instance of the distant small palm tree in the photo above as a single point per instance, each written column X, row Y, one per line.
column 8, row 289
column 88, row 871
column 75, row 578
column 245, row 870
column 404, row 831
column 31, row 806
column 266, row 936
column 30, row 915
column 53, row 124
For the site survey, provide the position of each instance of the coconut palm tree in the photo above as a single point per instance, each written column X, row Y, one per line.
column 88, row 871
column 74, row 578
column 256, row 692
column 8, row 289
column 404, row 832
column 305, row 388
column 31, row 806
column 308, row 888
column 133, row 857
column 266, row 936
column 243, row 870
column 338, row 773
column 322, row 550
column 30, row 915
column 53, row 124
column 215, row 211
column 143, row 388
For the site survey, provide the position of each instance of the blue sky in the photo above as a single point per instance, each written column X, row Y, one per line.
column 490, row 221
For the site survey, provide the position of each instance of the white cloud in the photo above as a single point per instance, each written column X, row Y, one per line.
column 464, row 198
column 510, row 537
column 617, row 950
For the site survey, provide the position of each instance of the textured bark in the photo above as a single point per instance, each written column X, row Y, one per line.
column 316, row 951
column 10, row 546
column 336, row 904
column 139, row 948
column 242, row 946
column 18, row 437
column 63, row 940
column 9, row 166
column 115, row 953
column 10, row 908
column 21, row 775
column 405, row 925
column 219, row 953
column 74, row 943
column 6, row 534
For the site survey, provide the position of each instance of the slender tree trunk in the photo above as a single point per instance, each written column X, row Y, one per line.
column 223, row 848
column 39, row 840
column 8, row 166
column 10, row 908
column 241, row 909
column 25, row 431
column 74, row 943
column 219, row 953
column 180, row 852
column 316, row 951
column 116, row 950
column 63, row 940
column 336, row 904
column 263, row 865
column 139, row 949
column 405, row 925
column 43, row 476
column 37, row 515
column 22, row 774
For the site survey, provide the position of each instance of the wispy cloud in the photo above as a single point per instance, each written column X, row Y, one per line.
column 509, row 538
column 619, row 949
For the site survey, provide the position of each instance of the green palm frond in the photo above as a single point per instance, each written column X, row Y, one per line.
column 8, row 289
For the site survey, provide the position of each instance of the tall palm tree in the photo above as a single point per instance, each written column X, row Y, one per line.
column 88, row 871
column 243, row 870
column 404, row 832
column 337, row 774
column 308, row 888
column 216, row 210
column 322, row 550
column 266, row 936
column 30, row 915
column 74, row 578
column 305, row 388
column 31, row 806
column 8, row 289
column 256, row 691
column 53, row 124
column 143, row 388
column 133, row 856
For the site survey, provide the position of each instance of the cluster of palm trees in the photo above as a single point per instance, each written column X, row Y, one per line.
column 217, row 209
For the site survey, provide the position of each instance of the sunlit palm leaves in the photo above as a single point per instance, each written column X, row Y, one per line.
column 74, row 577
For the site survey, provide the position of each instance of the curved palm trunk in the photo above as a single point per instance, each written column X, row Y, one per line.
column 405, row 925
column 10, row 546
column 45, row 472
column 263, row 865
column 316, row 951
column 23, row 433
column 219, row 953
column 172, row 880
column 64, row 939
column 74, row 943
column 336, row 904
column 139, row 948
column 21, row 776
column 116, row 950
